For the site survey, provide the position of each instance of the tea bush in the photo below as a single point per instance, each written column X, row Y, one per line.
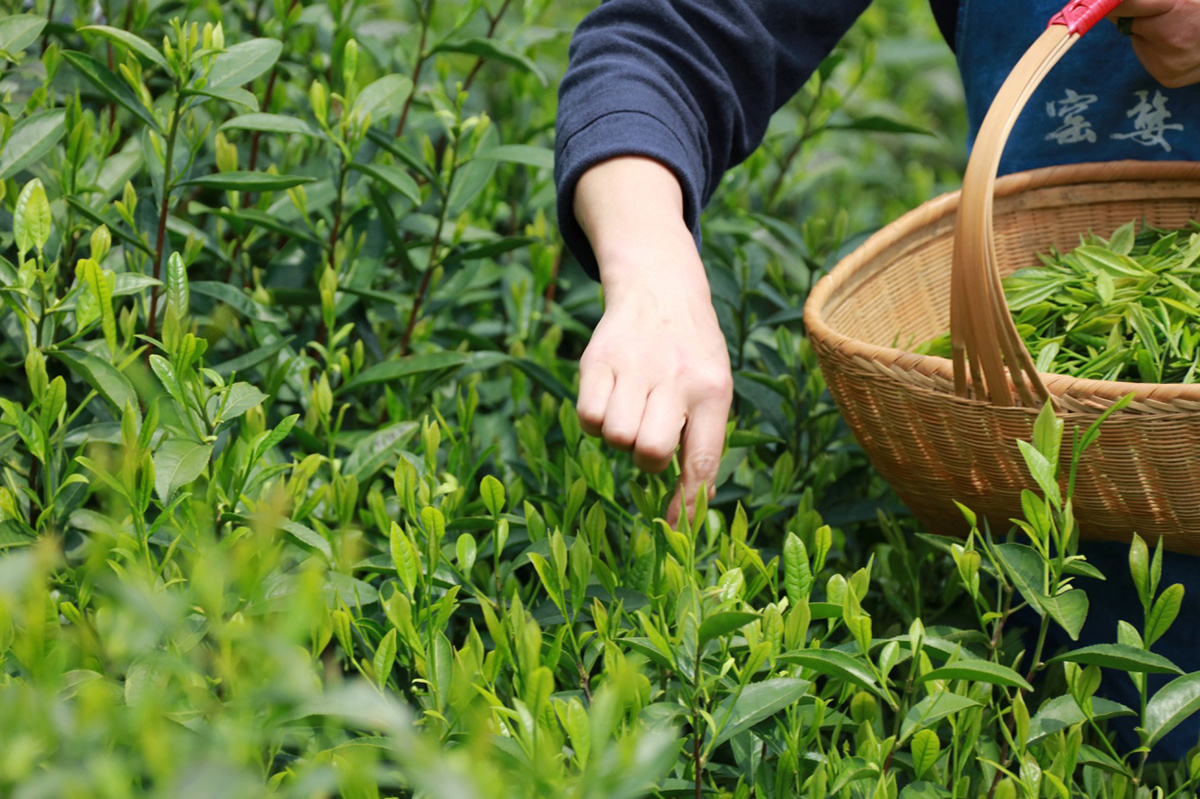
column 294, row 501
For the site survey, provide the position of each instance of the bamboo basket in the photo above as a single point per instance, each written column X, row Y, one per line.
column 935, row 446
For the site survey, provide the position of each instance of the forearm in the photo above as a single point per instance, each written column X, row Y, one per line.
column 632, row 211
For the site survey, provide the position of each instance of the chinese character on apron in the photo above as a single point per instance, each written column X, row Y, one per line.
column 1097, row 104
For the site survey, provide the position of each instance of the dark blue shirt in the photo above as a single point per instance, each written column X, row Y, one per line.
column 690, row 83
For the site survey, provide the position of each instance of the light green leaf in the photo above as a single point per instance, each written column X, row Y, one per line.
column 31, row 139
column 385, row 657
column 306, row 537
column 1121, row 657
column 31, row 218
column 130, row 42
column 230, row 94
column 271, row 123
column 241, row 397
column 1170, row 706
column 527, row 154
column 977, row 671
column 926, row 713
column 383, row 98
column 925, row 748
column 1069, row 609
column 492, row 491
column 391, row 177
column 19, row 31
column 243, row 62
column 374, row 451
column 178, row 462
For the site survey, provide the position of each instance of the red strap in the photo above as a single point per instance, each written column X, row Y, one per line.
column 1080, row 15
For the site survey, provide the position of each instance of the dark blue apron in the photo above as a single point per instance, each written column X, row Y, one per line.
column 1097, row 104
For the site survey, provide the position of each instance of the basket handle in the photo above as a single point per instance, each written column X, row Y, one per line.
column 983, row 337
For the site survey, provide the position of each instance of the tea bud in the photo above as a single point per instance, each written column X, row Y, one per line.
column 319, row 99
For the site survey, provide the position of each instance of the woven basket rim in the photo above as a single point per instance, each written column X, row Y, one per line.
column 937, row 373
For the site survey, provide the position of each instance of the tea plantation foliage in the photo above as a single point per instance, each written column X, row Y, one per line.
column 294, row 502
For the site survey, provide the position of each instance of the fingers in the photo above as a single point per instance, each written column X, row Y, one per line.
column 659, row 434
column 1141, row 8
column 595, row 387
column 700, row 456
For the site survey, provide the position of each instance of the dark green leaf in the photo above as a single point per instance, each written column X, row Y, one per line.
column 100, row 375
column 246, row 181
column 838, row 665
column 527, row 154
column 757, row 701
column 111, row 86
column 718, row 625
column 31, row 139
column 391, row 177
column 492, row 50
column 390, row 371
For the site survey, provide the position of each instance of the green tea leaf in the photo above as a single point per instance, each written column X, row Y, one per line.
column 1170, row 706
column 178, row 462
column 492, row 50
column 389, row 371
column 243, row 62
column 31, row 217
column 977, row 671
column 32, row 138
column 129, row 41
column 1121, row 657
column 932, row 709
column 246, row 181
column 525, row 154
column 1062, row 712
column 383, row 97
column 492, row 491
column 100, row 375
column 757, row 701
column 391, row 177
column 19, row 31
column 271, row 123
column 838, row 665
column 111, row 86
column 721, row 624
column 385, row 657
column 925, row 749
column 1163, row 613
column 306, row 537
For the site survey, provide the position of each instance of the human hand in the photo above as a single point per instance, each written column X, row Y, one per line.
column 656, row 375
column 1165, row 35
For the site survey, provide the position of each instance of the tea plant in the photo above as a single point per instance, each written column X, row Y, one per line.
column 293, row 500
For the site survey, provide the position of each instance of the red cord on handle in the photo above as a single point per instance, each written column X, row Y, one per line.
column 1080, row 15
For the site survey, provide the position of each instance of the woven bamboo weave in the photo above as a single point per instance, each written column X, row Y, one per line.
column 934, row 447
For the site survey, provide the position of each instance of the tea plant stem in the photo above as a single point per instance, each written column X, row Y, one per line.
column 422, row 57
column 493, row 23
column 406, row 340
column 164, row 210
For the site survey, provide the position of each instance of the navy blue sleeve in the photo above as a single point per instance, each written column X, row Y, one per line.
column 690, row 83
